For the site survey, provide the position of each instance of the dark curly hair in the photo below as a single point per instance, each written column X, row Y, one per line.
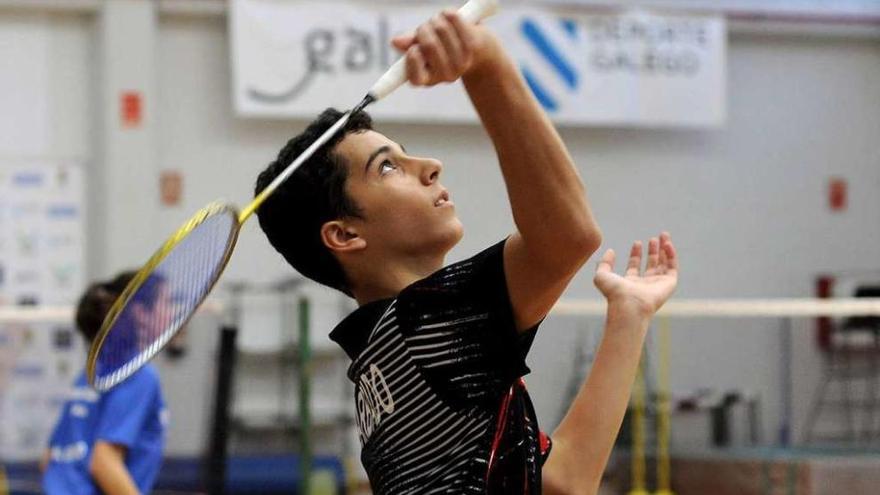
column 96, row 301
column 313, row 195
column 98, row 298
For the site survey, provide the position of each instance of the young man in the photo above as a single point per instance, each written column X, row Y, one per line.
column 437, row 353
column 109, row 442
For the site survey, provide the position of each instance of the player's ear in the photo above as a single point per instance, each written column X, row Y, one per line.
column 342, row 237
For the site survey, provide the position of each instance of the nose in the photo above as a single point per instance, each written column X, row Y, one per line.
column 431, row 169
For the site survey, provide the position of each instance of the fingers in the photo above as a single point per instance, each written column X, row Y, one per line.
column 445, row 49
column 606, row 264
column 635, row 260
column 653, row 257
column 416, row 72
column 436, row 57
column 458, row 58
column 670, row 254
column 465, row 33
column 403, row 42
column 664, row 261
column 662, row 258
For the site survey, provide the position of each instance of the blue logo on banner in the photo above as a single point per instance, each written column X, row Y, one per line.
column 562, row 67
column 28, row 370
column 62, row 211
column 28, row 179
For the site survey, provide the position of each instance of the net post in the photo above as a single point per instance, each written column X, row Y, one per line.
column 664, row 478
column 4, row 483
column 784, row 432
column 215, row 469
column 305, row 379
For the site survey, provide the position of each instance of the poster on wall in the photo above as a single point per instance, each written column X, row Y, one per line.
column 628, row 68
column 41, row 263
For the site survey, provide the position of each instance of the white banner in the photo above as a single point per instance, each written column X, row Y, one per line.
column 293, row 59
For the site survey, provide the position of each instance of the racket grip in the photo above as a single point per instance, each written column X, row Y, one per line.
column 473, row 12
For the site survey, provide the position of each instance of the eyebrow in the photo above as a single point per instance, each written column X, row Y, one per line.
column 379, row 151
column 373, row 155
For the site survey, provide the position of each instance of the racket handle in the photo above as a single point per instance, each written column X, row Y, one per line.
column 474, row 11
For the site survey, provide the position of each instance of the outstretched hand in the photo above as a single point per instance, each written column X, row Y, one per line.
column 645, row 292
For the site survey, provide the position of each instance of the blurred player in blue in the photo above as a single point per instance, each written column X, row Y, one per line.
column 108, row 442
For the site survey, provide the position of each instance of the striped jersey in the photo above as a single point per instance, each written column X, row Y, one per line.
column 436, row 373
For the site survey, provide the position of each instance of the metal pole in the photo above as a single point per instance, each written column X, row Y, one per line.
column 4, row 483
column 785, row 421
column 305, row 378
column 664, row 482
column 216, row 462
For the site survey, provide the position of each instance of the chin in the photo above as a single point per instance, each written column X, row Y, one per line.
column 449, row 237
column 456, row 232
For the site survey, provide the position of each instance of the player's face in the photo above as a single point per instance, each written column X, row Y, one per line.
column 405, row 209
column 164, row 308
column 154, row 318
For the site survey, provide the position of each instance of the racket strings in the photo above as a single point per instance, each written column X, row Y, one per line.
column 166, row 297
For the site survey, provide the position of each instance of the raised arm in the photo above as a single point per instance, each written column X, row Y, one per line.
column 556, row 232
column 585, row 437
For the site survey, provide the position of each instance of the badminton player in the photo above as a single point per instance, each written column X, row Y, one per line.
column 108, row 442
column 438, row 352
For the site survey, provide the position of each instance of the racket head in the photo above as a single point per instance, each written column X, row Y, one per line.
column 163, row 295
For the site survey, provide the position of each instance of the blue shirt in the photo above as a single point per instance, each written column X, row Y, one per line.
column 132, row 414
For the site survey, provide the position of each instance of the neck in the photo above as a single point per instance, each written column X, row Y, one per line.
column 387, row 279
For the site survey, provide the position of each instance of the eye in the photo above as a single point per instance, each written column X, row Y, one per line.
column 386, row 166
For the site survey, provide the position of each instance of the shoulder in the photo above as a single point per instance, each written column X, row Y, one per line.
column 148, row 375
column 140, row 382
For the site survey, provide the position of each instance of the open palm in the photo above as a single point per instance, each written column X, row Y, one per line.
column 646, row 291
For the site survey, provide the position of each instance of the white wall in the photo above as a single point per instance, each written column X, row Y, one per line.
column 46, row 86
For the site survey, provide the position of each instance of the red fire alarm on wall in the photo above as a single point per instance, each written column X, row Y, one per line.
column 170, row 187
column 837, row 194
column 131, row 108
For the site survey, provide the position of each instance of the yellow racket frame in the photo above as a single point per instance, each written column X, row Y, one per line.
column 144, row 273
